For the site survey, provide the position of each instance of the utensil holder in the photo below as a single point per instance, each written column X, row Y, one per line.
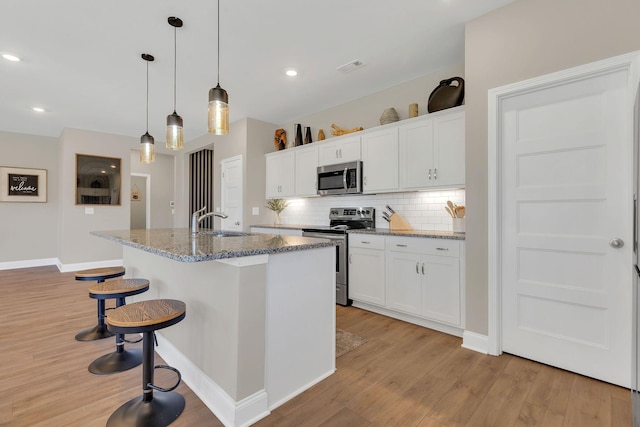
column 458, row 225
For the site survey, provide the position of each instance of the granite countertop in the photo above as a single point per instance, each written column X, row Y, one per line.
column 412, row 233
column 381, row 231
column 180, row 245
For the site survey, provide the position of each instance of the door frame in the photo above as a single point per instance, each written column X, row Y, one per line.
column 496, row 97
column 147, row 202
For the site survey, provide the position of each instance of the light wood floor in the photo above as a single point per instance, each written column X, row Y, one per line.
column 404, row 375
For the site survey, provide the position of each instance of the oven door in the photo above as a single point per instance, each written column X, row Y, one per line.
column 341, row 262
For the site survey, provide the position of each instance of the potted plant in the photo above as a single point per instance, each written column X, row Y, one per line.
column 277, row 206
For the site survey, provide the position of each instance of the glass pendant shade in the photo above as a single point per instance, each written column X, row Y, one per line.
column 218, row 111
column 147, row 149
column 175, row 135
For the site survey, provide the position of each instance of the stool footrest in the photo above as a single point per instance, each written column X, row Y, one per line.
column 164, row 390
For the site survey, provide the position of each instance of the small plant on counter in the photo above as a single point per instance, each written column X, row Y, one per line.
column 277, row 206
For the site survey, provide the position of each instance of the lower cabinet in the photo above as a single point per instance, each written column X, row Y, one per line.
column 367, row 268
column 423, row 281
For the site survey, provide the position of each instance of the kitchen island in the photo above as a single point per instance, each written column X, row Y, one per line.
column 260, row 323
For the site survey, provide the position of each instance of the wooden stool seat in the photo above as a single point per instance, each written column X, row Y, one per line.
column 122, row 359
column 98, row 275
column 145, row 317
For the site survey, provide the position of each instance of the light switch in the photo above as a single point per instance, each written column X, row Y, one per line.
column 172, row 204
column 88, row 211
column 255, row 211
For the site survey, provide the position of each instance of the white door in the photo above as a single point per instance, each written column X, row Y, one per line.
column 566, row 192
column 231, row 197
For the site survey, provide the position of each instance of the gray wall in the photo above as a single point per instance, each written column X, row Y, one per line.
column 28, row 231
column 162, row 186
column 526, row 39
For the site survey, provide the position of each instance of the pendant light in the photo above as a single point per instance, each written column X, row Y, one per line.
column 218, row 100
column 175, row 134
column 147, row 144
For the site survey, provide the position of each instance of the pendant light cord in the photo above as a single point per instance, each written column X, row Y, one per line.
column 175, row 66
column 218, row 42
column 147, row 95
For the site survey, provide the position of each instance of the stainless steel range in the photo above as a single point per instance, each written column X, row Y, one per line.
column 341, row 220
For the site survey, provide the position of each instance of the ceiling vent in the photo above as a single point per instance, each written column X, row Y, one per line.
column 351, row 66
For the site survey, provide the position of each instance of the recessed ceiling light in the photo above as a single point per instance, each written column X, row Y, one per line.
column 291, row 73
column 10, row 57
column 38, row 109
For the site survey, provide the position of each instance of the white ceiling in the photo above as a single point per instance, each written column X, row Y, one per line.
column 81, row 59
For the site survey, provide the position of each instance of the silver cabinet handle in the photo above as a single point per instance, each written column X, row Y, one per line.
column 401, row 246
column 429, row 174
column 423, row 268
column 442, row 249
column 365, row 180
column 435, row 173
column 350, row 258
column 336, row 153
column 365, row 242
column 616, row 243
column 237, row 223
column 417, row 271
column 341, row 153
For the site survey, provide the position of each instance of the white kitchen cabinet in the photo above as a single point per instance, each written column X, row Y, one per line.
column 415, row 279
column 339, row 150
column 367, row 268
column 380, row 160
column 280, row 175
column 306, row 164
column 431, row 151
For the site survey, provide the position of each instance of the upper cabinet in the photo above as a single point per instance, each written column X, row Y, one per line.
column 431, row 151
column 416, row 154
column 380, row 160
column 341, row 150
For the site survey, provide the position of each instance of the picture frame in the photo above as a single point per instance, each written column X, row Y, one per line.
column 98, row 180
column 23, row 185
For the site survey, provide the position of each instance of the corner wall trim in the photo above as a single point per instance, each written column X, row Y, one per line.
column 476, row 342
column 65, row 268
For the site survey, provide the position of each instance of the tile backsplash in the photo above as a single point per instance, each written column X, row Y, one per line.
column 424, row 210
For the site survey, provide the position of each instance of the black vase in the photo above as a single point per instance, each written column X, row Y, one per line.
column 298, row 134
column 307, row 135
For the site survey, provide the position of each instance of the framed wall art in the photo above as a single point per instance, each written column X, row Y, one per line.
column 23, row 185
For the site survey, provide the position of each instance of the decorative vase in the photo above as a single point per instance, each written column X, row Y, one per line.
column 307, row 135
column 389, row 115
column 446, row 95
column 276, row 219
column 413, row 110
column 298, row 134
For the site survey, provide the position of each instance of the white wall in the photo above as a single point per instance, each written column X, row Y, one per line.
column 526, row 39
column 28, row 231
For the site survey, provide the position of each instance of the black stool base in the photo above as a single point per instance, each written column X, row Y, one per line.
column 115, row 362
column 161, row 411
column 92, row 334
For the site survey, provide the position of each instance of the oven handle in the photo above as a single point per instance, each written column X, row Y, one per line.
column 344, row 179
column 323, row 235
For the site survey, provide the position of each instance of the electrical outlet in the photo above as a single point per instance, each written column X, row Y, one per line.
column 255, row 211
column 88, row 211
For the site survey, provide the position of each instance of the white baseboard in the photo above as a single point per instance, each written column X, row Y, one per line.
column 476, row 342
column 230, row 413
column 65, row 268
column 27, row 263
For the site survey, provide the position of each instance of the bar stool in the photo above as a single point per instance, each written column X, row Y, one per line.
column 100, row 275
column 122, row 359
column 146, row 317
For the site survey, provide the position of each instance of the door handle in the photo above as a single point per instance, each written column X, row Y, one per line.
column 616, row 243
column 435, row 173
column 350, row 258
column 417, row 266
column 429, row 174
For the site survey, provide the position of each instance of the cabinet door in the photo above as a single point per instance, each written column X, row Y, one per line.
column 380, row 160
column 367, row 275
column 404, row 282
column 345, row 149
column 280, row 173
column 441, row 291
column 416, row 154
column 448, row 140
column 306, row 164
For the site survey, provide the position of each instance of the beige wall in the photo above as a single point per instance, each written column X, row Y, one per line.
column 162, row 187
column 526, row 39
column 28, row 231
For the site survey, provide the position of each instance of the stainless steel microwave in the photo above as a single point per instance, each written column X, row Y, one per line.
column 343, row 178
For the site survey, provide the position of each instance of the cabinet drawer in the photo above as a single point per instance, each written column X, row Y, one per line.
column 421, row 245
column 370, row 241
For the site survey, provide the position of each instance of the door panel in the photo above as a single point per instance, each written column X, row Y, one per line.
column 566, row 189
column 231, row 197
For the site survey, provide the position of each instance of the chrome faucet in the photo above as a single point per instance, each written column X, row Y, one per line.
column 195, row 219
